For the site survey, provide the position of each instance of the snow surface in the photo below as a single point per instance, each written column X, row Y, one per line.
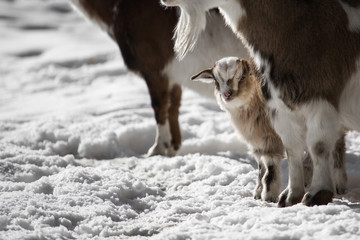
column 74, row 129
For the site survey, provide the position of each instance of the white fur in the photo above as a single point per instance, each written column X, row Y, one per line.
column 232, row 13
column 350, row 102
column 162, row 141
column 353, row 15
column 290, row 126
column 323, row 125
column 230, row 106
column 191, row 23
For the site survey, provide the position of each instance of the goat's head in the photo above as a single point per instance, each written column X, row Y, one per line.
column 191, row 23
column 231, row 78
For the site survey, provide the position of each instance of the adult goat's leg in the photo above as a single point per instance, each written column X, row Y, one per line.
column 159, row 94
column 340, row 176
column 290, row 128
column 323, row 130
column 173, row 117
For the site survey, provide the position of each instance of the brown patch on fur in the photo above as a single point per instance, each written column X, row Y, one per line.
column 175, row 102
column 308, row 169
column 339, row 153
column 270, row 177
column 307, row 43
column 144, row 40
column 319, row 148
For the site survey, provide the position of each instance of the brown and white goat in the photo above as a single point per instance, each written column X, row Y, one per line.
column 143, row 30
column 238, row 92
column 308, row 52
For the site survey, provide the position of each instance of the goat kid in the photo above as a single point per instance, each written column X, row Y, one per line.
column 143, row 31
column 238, row 92
column 308, row 53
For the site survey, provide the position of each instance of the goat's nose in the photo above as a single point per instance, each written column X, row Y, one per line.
column 228, row 93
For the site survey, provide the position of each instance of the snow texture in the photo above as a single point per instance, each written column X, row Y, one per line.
column 75, row 126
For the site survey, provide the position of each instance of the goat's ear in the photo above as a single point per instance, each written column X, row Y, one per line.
column 205, row 76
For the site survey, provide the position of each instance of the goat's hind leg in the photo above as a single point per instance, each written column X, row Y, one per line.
column 308, row 169
column 339, row 171
column 340, row 176
column 323, row 132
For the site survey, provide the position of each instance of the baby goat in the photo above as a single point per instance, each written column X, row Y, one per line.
column 239, row 93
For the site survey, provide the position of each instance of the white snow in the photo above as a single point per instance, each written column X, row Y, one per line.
column 75, row 126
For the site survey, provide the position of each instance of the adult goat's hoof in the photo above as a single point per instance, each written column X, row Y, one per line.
column 288, row 198
column 322, row 197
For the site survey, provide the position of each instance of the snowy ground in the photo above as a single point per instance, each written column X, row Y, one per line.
column 74, row 129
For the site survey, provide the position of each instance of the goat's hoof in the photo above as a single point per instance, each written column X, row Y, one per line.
column 154, row 150
column 271, row 193
column 340, row 190
column 257, row 191
column 171, row 151
column 270, row 197
column 257, row 195
column 322, row 197
column 167, row 150
column 287, row 199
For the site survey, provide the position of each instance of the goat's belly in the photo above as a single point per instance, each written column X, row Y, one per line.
column 349, row 106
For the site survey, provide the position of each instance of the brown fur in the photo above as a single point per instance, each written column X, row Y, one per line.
column 101, row 10
column 339, row 153
column 302, row 49
column 175, row 98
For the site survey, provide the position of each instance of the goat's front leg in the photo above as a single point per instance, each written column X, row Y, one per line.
column 271, row 180
column 295, row 190
column 290, row 127
column 173, row 116
column 159, row 94
column 323, row 132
